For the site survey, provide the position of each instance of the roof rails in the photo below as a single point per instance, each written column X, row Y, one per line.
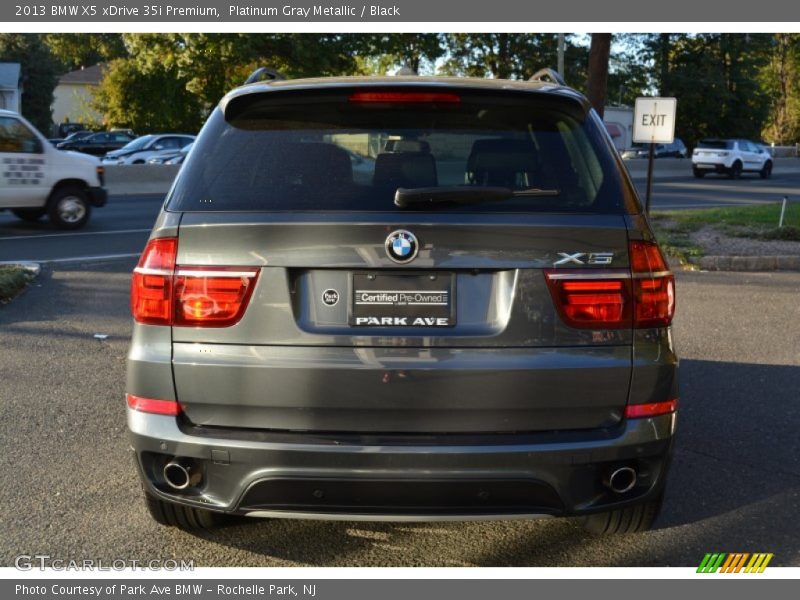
column 550, row 75
column 264, row 73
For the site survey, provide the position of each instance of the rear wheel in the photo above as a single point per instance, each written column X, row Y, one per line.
column 766, row 170
column 735, row 171
column 69, row 208
column 183, row 517
column 631, row 519
column 699, row 173
column 29, row 214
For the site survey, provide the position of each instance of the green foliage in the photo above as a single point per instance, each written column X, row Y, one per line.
column 780, row 78
column 147, row 101
column 74, row 50
column 715, row 76
column 513, row 56
column 39, row 75
column 12, row 280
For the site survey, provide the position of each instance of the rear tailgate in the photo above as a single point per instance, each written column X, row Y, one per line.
column 296, row 362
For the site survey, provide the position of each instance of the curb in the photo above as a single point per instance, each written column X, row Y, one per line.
column 749, row 263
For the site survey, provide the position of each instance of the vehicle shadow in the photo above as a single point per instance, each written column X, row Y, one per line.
column 734, row 485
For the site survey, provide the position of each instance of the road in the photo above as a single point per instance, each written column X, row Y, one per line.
column 121, row 228
column 71, row 492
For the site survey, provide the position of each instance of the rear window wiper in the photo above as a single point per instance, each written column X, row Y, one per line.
column 464, row 194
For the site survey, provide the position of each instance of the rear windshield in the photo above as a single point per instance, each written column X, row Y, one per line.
column 343, row 150
column 716, row 144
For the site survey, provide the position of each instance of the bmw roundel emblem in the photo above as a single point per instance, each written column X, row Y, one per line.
column 402, row 246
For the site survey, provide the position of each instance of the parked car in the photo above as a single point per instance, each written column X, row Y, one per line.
column 142, row 148
column 77, row 135
column 38, row 180
column 307, row 345
column 677, row 149
column 170, row 157
column 731, row 157
column 97, row 144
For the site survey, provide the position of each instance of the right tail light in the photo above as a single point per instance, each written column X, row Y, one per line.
column 165, row 293
column 641, row 297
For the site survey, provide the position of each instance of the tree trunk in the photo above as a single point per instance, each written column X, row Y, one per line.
column 599, row 52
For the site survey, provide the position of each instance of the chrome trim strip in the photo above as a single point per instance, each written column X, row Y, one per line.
column 212, row 273
column 602, row 275
column 282, row 514
column 655, row 275
column 148, row 271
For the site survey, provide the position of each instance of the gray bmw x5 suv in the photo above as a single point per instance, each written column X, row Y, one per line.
column 403, row 299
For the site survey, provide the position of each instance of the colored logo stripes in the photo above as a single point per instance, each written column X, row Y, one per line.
column 736, row 562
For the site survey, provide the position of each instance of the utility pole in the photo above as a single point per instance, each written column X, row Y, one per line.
column 560, row 68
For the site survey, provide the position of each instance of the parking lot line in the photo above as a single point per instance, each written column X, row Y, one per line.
column 52, row 235
column 71, row 259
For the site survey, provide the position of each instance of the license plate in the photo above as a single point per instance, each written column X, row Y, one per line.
column 421, row 299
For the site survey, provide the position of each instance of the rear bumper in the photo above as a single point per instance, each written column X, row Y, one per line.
column 97, row 196
column 403, row 478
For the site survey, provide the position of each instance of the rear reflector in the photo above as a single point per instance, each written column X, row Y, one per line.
column 654, row 409
column 153, row 406
column 163, row 293
column 617, row 298
column 405, row 97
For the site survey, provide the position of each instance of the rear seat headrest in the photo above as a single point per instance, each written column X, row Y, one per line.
column 405, row 169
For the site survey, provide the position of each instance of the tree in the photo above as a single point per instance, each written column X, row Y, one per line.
column 155, row 100
column 599, row 53
column 512, row 55
column 75, row 50
column 781, row 80
column 39, row 75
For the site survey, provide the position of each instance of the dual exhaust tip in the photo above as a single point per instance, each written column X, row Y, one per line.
column 181, row 474
column 621, row 480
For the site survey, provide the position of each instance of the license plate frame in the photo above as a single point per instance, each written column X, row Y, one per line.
column 425, row 299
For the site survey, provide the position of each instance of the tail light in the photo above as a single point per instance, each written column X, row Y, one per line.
column 163, row 293
column 405, row 98
column 653, row 409
column 641, row 297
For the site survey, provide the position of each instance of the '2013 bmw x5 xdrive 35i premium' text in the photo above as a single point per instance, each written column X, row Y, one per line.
column 403, row 298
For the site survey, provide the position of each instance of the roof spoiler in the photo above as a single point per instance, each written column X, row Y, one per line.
column 264, row 74
column 547, row 74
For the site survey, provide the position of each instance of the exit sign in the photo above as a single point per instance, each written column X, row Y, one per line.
column 654, row 120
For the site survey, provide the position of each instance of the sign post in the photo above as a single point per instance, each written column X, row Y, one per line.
column 653, row 123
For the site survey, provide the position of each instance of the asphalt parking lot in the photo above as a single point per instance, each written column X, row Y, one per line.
column 70, row 490
column 121, row 228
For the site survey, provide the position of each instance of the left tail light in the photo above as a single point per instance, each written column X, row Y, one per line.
column 164, row 293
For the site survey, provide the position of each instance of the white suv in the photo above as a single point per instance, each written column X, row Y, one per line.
column 37, row 180
column 732, row 157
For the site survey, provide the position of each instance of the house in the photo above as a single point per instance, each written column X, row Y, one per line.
column 619, row 123
column 72, row 98
column 10, row 89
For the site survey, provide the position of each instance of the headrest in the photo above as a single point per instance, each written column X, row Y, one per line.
column 502, row 162
column 405, row 169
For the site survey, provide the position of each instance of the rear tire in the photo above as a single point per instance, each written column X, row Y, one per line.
column 183, row 517
column 68, row 208
column 699, row 173
column 735, row 171
column 631, row 519
column 766, row 170
column 29, row 214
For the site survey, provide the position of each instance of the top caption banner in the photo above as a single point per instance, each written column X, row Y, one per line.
column 448, row 11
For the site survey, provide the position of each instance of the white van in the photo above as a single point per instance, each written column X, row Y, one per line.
column 37, row 180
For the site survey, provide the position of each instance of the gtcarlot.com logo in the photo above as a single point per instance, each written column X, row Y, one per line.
column 29, row 562
column 735, row 562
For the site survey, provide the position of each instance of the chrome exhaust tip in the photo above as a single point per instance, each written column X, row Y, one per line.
column 181, row 474
column 621, row 480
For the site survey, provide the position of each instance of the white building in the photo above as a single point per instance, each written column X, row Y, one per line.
column 619, row 123
column 72, row 98
column 10, row 89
